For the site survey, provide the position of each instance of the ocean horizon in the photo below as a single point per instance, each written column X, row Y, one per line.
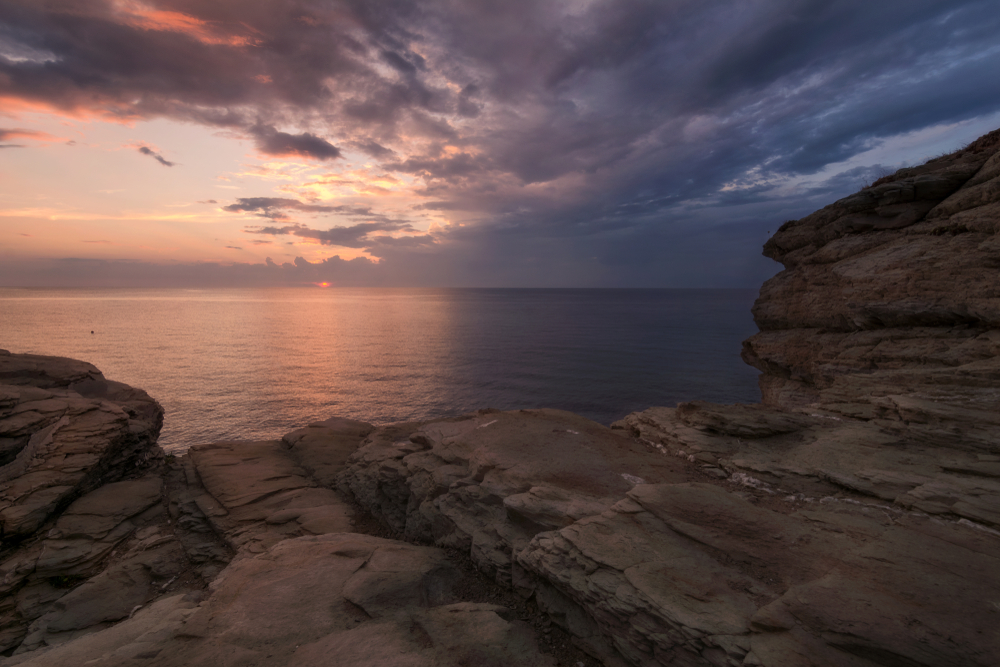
column 255, row 363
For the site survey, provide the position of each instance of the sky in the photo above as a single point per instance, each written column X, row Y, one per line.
column 447, row 143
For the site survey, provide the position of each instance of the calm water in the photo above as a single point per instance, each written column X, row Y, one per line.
column 254, row 364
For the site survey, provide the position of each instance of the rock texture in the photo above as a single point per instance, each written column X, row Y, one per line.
column 878, row 436
column 67, row 436
column 235, row 553
column 64, row 430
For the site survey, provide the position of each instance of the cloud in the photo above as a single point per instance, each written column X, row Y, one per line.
column 451, row 168
column 234, row 247
column 12, row 133
column 373, row 235
column 20, row 133
column 578, row 127
column 208, row 201
column 372, row 148
column 362, row 235
column 146, row 150
column 275, row 207
column 272, row 142
column 111, row 273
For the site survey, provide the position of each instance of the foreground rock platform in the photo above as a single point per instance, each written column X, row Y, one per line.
column 235, row 553
column 852, row 519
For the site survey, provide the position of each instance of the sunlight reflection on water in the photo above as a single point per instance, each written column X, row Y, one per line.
column 256, row 363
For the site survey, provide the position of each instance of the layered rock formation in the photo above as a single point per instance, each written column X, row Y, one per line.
column 852, row 519
column 235, row 553
column 880, row 357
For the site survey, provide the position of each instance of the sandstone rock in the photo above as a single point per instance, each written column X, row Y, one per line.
column 490, row 481
column 60, row 442
column 295, row 605
column 66, row 432
column 458, row 634
column 43, row 371
column 691, row 574
column 256, row 494
column 322, row 448
column 914, row 309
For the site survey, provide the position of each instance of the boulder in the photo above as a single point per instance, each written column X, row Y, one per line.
column 65, row 431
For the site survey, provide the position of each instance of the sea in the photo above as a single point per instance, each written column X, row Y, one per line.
column 253, row 364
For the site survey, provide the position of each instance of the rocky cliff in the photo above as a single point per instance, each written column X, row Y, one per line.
column 852, row 519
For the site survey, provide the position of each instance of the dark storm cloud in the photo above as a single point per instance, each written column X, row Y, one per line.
column 146, row 150
column 577, row 127
column 272, row 142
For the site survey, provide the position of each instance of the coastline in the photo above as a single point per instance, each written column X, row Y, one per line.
column 852, row 518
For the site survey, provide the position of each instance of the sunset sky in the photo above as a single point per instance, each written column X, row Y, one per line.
column 589, row 143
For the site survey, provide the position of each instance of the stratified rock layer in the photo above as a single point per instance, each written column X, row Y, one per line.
column 109, row 547
column 879, row 346
column 64, row 430
column 893, row 293
column 652, row 559
column 67, row 436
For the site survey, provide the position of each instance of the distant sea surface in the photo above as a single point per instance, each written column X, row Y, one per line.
column 240, row 364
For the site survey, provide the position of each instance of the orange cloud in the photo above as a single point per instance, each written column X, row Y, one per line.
column 139, row 15
column 20, row 133
column 102, row 108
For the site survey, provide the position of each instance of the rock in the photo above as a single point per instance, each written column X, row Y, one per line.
column 61, row 443
column 859, row 313
column 138, row 638
column 68, row 436
column 685, row 574
column 322, row 448
column 256, row 611
column 94, row 525
column 488, row 482
column 256, row 494
column 458, row 634
column 35, row 370
column 110, row 596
